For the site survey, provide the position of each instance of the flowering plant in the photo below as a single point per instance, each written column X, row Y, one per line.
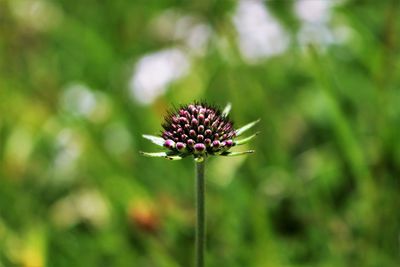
column 199, row 130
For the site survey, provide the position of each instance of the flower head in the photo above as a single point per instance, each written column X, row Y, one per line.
column 200, row 130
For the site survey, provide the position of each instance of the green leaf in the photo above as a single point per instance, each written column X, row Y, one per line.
column 233, row 154
column 154, row 139
column 241, row 130
column 227, row 109
column 246, row 140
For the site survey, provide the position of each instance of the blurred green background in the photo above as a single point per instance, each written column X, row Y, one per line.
column 80, row 81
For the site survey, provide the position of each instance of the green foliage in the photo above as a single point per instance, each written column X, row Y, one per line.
column 322, row 188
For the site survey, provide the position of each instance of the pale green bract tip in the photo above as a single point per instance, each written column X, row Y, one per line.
column 241, row 130
column 165, row 155
column 154, row 139
column 154, row 154
column 246, row 140
column 226, row 110
column 234, row 154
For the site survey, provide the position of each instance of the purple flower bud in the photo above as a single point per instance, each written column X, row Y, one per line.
column 183, row 120
column 206, row 122
column 180, row 146
column 208, row 132
column 184, row 137
column 200, row 129
column 190, row 142
column 216, row 144
column 199, row 147
column 195, row 122
column 201, row 118
column 200, row 138
column 166, row 135
column 192, row 133
column 229, row 143
column 207, row 141
column 169, row 143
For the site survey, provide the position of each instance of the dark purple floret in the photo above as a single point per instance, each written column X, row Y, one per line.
column 180, row 146
column 198, row 129
column 169, row 144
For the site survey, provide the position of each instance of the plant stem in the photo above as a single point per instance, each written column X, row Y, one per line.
column 200, row 218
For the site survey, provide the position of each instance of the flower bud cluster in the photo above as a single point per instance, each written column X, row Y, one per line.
column 198, row 129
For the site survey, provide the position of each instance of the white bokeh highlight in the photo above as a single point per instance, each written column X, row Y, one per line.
column 79, row 99
column 313, row 11
column 188, row 31
column 315, row 16
column 260, row 35
column 154, row 72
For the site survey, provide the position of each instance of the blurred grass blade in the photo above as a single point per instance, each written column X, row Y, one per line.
column 227, row 109
column 241, row 130
column 233, row 154
column 154, row 139
column 246, row 140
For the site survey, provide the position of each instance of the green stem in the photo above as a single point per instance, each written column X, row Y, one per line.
column 200, row 218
